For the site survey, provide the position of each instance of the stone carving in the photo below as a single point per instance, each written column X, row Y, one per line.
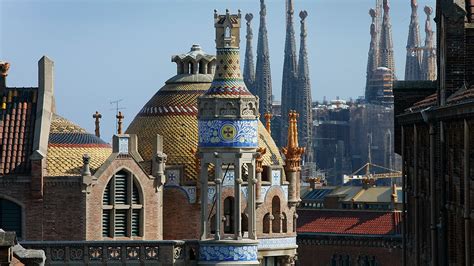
column 76, row 254
column 152, row 253
column 95, row 253
column 286, row 242
column 133, row 253
column 114, row 253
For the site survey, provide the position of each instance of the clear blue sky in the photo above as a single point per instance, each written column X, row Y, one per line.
column 121, row 49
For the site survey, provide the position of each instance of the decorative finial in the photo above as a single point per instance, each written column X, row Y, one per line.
column 4, row 67
column 120, row 118
column 428, row 10
column 414, row 4
column 373, row 14
column 268, row 122
column 97, row 117
column 303, row 15
column 248, row 18
column 86, row 171
column 292, row 151
column 227, row 11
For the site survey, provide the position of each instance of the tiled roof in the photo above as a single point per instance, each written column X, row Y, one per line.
column 68, row 143
column 17, row 123
column 180, row 129
column 425, row 103
column 347, row 222
column 461, row 95
column 374, row 195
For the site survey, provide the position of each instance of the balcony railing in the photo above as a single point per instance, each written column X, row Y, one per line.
column 117, row 252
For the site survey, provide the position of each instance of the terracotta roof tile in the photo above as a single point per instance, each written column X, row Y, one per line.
column 17, row 122
column 348, row 222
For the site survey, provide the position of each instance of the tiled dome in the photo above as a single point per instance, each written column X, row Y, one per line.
column 68, row 143
column 172, row 113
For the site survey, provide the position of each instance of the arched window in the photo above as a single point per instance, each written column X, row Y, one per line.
column 122, row 207
column 227, row 32
column 10, row 217
column 276, row 224
column 229, row 215
column 266, row 223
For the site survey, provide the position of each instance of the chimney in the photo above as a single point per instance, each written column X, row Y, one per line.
column 4, row 67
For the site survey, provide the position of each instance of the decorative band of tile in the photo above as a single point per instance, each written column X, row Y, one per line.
column 216, row 253
column 168, row 110
column 69, row 145
column 80, row 139
column 228, row 133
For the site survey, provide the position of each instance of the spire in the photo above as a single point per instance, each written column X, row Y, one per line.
column 289, row 91
column 292, row 151
column 120, row 118
column 372, row 62
column 263, row 72
column 414, row 54
column 97, row 116
column 304, row 96
column 249, row 68
column 429, row 68
column 386, row 42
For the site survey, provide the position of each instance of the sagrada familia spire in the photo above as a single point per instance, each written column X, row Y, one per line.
column 289, row 92
column 429, row 51
column 259, row 80
column 263, row 81
column 413, row 69
column 386, row 42
column 304, row 103
column 249, row 68
column 373, row 60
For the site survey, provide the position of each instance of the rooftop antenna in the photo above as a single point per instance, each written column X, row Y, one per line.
column 117, row 109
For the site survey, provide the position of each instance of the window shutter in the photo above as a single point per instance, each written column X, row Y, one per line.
column 136, row 222
column 121, row 188
column 121, row 222
column 106, row 223
column 107, row 199
column 135, row 194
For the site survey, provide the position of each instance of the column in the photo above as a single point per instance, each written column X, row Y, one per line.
column 204, row 188
column 251, row 202
column 237, row 201
column 218, row 181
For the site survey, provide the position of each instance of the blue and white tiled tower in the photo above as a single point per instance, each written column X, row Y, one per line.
column 228, row 138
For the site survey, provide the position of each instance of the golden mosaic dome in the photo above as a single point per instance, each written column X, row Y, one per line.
column 67, row 144
column 172, row 113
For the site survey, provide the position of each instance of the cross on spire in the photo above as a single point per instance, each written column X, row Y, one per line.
column 97, row 117
column 120, row 118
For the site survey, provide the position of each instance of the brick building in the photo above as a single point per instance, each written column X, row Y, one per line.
column 350, row 225
column 47, row 161
column 434, row 137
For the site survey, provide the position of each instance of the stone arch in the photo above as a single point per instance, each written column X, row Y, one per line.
column 276, row 211
column 229, row 215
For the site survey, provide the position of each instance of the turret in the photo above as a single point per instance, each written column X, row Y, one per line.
column 373, row 57
column 228, row 139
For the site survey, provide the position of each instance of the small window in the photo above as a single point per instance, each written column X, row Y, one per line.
column 122, row 207
column 227, row 33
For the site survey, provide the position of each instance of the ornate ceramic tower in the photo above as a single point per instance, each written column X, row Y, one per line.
column 263, row 71
column 414, row 52
column 228, row 139
column 429, row 68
